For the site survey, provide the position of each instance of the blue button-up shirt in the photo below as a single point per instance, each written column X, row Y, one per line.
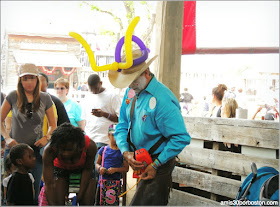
column 157, row 113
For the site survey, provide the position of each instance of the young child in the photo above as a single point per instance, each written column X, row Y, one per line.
column 10, row 168
column 20, row 188
column 114, row 164
column 69, row 153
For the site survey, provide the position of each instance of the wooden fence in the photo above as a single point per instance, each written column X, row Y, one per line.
column 259, row 142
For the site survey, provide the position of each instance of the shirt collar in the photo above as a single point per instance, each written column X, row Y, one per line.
column 151, row 88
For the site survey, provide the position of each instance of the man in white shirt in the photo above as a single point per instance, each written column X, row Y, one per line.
column 101, row 108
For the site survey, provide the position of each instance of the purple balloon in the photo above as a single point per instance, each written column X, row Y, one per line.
column 140, row 43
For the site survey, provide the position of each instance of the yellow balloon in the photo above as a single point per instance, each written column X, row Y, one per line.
column 113, row 66
column 127, row 43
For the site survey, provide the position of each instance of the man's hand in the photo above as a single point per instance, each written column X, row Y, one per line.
column 129, row 157
column 41, row 142
column 149, row 173
column 98, row 113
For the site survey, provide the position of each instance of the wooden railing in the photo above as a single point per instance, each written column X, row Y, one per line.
column 259, row 142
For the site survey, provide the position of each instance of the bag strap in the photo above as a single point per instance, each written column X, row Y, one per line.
column 155, row 146
column 131, row 115
column 103, row 158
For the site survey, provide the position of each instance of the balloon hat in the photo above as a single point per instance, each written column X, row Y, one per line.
column 126, row 40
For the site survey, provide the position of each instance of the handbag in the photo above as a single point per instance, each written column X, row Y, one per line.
column 109, row 189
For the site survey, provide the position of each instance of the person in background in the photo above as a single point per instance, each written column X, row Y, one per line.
column 20, row 188
column 70, row 152
column 103, row 111
column 228, row 110
column 231, row 93
column 270, row 112
column 186, row 98
column 218, row 95
column 73, row 109
column 113, row 165
column 61, row 112
column 150, row 116
column 2, row 138
column 28, row 106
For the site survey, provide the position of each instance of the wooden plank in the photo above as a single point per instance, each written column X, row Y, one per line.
column 263, row 134
column 207, row 182
column 233, row 162
column 233, row 122
column 180, row 198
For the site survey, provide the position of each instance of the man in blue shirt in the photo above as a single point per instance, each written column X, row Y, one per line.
column 150, row 116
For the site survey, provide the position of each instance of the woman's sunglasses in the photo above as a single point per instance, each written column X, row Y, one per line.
column 29, row 111
column 60, row 88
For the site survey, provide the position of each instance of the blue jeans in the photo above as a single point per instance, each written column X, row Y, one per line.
column 36, row 172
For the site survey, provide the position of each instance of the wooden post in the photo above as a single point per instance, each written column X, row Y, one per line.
column 169, row 28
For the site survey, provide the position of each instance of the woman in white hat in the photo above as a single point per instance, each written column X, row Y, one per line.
column 28, row 106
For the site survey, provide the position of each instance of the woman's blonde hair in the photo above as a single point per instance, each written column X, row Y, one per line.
column 21, row 97
column 230, row 105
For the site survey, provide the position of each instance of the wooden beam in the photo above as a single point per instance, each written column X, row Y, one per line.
column 169, row 24
column 207, row 182
column 261, row 134
column 237, row 50
column 232, row 162
column 180, row 198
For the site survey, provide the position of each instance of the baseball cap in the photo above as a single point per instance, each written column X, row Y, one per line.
column 28, row 69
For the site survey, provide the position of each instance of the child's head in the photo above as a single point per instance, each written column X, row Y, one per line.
column 68, row 140
column 8, row 165
column 229, row 107
column 22, row 155
column 111, row 132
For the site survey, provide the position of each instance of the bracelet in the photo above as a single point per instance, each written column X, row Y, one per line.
column 109, row 116
column 153, row 165
column 157, row 163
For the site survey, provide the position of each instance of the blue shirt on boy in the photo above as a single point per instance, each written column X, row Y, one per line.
column 157, row 113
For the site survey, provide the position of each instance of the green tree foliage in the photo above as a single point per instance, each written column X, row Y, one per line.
column 129, row 7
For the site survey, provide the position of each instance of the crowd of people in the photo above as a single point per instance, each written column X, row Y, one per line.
column 262, row 108
column 51, row 141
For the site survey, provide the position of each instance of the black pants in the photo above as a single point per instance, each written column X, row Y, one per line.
column 155, row 192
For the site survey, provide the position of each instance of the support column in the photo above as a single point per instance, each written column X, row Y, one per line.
column 169, row 28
